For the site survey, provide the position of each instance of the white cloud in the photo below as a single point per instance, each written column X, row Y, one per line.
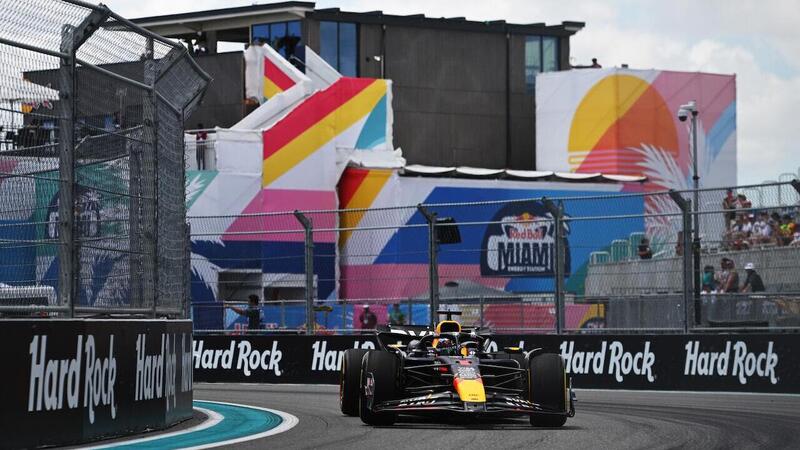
column 758, row 41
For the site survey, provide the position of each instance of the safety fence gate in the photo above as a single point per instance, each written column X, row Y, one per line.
column 92, row 212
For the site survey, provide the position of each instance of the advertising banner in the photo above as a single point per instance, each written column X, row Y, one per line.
column 735, row 363
column 90, row 379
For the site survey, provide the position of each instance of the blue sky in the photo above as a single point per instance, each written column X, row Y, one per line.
column 759, row 41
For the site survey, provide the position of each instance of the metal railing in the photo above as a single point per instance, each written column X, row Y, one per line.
column 557, row 265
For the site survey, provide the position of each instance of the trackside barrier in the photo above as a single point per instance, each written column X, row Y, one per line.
column 695, row 362
column 73, row 381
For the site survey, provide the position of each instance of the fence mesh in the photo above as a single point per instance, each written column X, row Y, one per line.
column 499, row 264
column 92, row 206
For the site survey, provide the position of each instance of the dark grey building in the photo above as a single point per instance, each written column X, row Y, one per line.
column 463, row 90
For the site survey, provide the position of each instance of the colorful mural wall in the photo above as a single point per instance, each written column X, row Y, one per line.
column 625, row 122
column 295, row 163
column 474, row 258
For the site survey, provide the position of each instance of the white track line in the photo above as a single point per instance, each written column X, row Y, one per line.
column 213, row 419
column 288, row 422
column 655, row 391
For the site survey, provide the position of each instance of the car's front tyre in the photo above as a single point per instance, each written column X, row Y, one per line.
column 379, row 373
column 547, row 386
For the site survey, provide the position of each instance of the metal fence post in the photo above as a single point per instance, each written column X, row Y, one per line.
column 433, row 263
column 187, row 278
column 480, row 305
column 72, row 37
column 309, row 267
column 686, row 207
column 558, row 224
column 150, row 177
column 66, row 144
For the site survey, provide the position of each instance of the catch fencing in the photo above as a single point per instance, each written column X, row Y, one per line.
column 92, row 211
column 541, row 265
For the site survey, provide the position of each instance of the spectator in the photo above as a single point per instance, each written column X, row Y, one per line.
column 786, row 230
column 644, row 249
column 396, row 317
column 253, row 313
column 740, row 232
column 762, row 230
column 753, row 282
column 729, row 282
column 367, row 319
column 709, row 284
column 679, row 244
column 795, row 239
column 595, row 64
column 775, row 223
column 729, row 203
column 200, row 146
column 744, row 204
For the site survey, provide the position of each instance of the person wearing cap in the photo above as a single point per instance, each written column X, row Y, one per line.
column 367, row 319
column 753, row 282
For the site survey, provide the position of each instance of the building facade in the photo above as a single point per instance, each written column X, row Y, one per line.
column 463, row 90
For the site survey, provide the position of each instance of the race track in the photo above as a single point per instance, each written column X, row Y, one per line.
column 604, row 419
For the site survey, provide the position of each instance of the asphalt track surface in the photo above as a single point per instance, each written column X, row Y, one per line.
column 604, row 419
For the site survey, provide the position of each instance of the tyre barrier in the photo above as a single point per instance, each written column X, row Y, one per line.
column 74, row 381
column 764, row 363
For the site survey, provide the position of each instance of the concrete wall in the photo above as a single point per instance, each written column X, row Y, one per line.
column 776, row 265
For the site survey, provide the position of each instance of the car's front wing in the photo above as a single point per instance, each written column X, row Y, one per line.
column 449, row 401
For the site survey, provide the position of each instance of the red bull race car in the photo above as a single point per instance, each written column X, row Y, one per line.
column 418, row 371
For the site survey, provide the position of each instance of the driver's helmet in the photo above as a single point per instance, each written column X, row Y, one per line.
column 446, row 345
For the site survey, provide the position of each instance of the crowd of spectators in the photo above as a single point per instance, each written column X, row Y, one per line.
column 746, row 228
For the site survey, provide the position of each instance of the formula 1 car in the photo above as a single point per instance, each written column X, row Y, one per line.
column 418, row 371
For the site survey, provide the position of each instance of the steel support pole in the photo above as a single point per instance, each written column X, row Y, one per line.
column 67, row 288
column 480, row 305
column 149, row 179
column 685, row 207
column 559, row 273
column 433, row 263
column 308, row 229
column 72, row 37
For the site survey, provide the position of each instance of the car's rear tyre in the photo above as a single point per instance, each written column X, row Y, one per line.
column 349, row 380
column 547, row 386
column 384, row 367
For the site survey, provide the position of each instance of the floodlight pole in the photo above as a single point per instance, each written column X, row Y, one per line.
column 696, row 214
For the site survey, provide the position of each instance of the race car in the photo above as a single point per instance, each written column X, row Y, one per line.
column 418, row 371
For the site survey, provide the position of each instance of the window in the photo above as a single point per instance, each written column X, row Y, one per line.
column 541, row 55
column 285, row 37
column 338, row 45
